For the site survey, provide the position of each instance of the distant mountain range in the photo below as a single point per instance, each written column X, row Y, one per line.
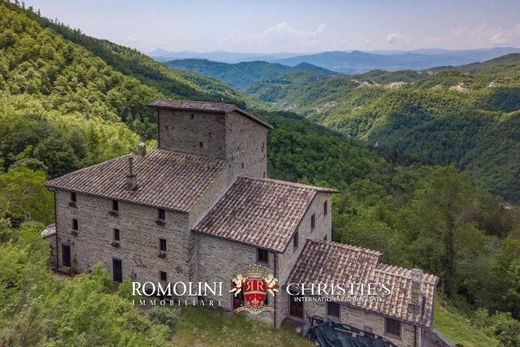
column 219, row 56
column 244, row 74
column 353, row 61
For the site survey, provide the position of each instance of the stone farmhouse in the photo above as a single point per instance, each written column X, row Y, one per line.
column 200, row 208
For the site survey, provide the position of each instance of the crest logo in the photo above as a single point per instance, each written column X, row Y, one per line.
column 255, row 287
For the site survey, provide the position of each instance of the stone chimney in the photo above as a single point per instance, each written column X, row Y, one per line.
column 131, row 178
column 415, row 305
column 141, row 149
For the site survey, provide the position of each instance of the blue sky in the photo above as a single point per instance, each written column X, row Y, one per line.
column 293, row 26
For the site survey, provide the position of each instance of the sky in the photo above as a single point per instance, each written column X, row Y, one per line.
column 301, row 26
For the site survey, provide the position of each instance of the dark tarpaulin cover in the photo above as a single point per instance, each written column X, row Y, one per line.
column 332, row 334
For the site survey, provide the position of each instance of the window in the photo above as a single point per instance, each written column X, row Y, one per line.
column 74, row 224
column 313, row 222
column 392, row 326
column 161, row 214
column 333, row 309
column 192, row 116
column 295, row 240
column 73, row 197
column 263, row 255
column 116, row 235
column 325, row 238
column 325, row 208
column 115, row 205
column 163, row 276
column 162, row 245
column 201, row 144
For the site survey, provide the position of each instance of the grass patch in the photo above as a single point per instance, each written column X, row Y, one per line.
column 211, row 327
column 457, row 328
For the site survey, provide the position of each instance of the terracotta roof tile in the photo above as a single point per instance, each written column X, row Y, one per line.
column 165, row 179
column 323, row 261
column 327, row 262
column 260, row 212
column 204, row 106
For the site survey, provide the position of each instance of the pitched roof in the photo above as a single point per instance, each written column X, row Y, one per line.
column 165, row 179
column 204, row 106
column 260, row 212
column 322, row 261
column 397, row 302
column 331, row 262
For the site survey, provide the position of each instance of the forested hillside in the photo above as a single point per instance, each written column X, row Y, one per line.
column 466, row 116
column 68, row 101
column 242, row 75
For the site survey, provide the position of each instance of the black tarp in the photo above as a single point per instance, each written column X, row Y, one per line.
column 331, row 334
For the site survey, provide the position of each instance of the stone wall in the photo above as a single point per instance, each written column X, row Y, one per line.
column 290, row 256
column 367, row 321
column 221, row 260
column 246, row 143
column 232, row 137
column 139, row 234
column 197, row 133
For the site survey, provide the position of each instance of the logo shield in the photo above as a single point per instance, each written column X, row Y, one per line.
column 255, row 292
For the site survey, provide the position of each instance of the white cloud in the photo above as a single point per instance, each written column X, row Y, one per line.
column 281, row 37
column 477, row 37
column 397, row 39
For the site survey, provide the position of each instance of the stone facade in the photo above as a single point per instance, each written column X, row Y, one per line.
column 232, row 137
column 139, row 237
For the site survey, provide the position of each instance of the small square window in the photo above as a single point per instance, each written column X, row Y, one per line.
column 201, row 144
column 73, row 197
column 313, row 222
column 333, row 309
column 162, row 245
column 74, row 224
column 325, row 208
column 295, row 240
column 161, row 214
column 192, row 116
column 115, row 205
column 117, row 235
column 163, row 275
column 393, row 327
column 263, row 255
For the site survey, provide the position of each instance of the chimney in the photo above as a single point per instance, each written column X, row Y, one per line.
column 131, row 178
column 415, row 305
column 141, row 149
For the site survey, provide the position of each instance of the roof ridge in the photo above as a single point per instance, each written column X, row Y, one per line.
column 211, row 107
column 292, row 184
column 347, row 246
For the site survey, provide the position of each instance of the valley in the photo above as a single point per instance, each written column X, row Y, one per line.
column 426, row 172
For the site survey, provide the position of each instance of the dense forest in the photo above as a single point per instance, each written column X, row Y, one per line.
column 68, row 101
column 242, row 75
column 467, row 116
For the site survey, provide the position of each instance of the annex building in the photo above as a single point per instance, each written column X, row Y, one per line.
column 200, row 207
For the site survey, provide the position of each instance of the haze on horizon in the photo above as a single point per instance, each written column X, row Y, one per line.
column 292, row 26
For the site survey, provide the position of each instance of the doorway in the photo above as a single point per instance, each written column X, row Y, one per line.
column 296, row 306
column 117, row 270
column 65, row 255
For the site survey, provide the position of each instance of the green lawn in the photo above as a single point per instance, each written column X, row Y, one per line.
column 208, row 327
column 457, row 328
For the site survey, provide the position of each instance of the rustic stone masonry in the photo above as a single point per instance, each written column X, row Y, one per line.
column 200, row 208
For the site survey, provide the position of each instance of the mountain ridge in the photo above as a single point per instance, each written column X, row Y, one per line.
column 242, row 75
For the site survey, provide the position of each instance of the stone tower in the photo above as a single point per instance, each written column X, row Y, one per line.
column 214, row 130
